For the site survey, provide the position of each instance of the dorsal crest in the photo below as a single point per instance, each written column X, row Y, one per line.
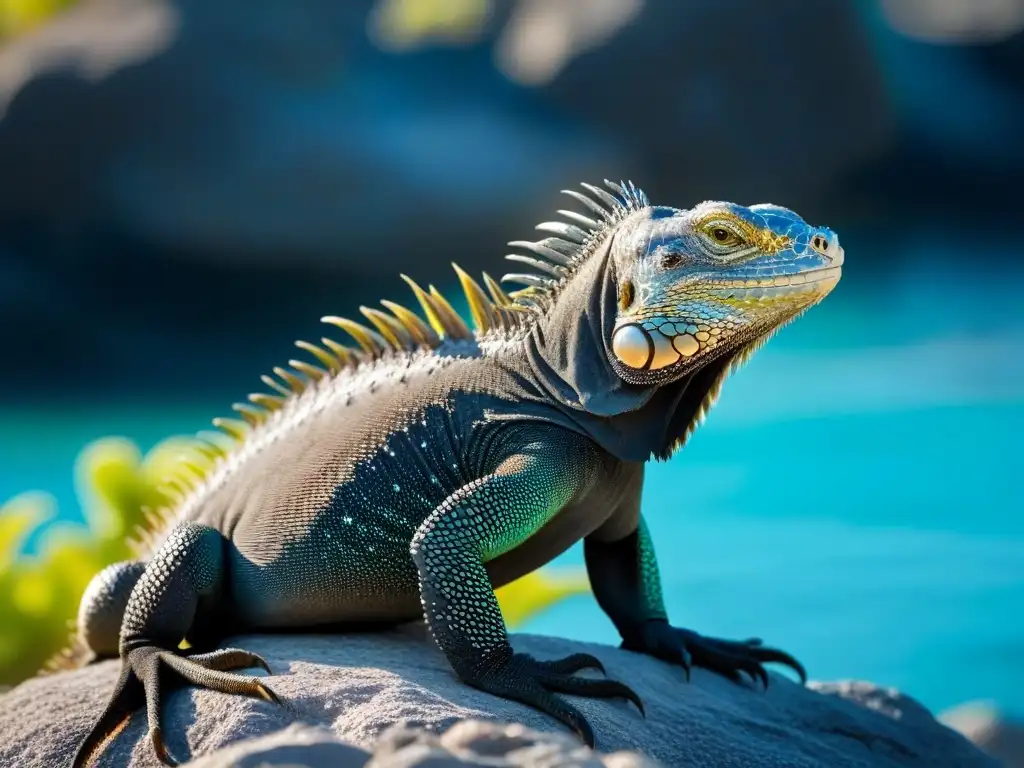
column 556, row 257
column 395, row 329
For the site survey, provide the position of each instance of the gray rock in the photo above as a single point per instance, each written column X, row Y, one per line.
column 467, row 743
column 479, row 742
column 297, row 745
column 280, row 134
column 359, row 685
column 251, row 136
column 195, row 175
column 993, row 731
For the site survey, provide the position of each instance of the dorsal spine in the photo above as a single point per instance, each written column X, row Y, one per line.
column 399, row 330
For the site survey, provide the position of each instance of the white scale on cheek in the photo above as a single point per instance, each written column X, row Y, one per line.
column 664, row 353
column 631, row 346
column 686, row 344
column 635, row 347
column 667, row 349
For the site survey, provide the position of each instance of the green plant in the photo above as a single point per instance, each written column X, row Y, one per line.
column 17, row 16
column 39, row 591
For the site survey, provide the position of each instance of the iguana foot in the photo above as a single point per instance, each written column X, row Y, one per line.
column 144, row 669
column 524, row 679
column 726, row 657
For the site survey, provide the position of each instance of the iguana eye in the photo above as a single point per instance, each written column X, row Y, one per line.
column 722, row 236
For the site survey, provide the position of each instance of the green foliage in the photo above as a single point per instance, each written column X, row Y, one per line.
column 39, row 591
column 17, row 16
column 115, row 483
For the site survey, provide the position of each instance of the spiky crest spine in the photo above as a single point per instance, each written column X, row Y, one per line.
column 400, row 330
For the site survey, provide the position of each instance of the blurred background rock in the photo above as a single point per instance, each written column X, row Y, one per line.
column 982, row 723
column 200, row 176
column 186, row 186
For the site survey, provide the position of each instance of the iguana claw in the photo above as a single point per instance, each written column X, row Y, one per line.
column 725, row 657
column 145, row 667
column 525, row 679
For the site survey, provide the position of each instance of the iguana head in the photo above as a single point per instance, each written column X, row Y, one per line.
column 643, row 311
column 699, row 284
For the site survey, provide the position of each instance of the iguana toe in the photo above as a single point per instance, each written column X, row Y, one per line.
column 529, row 681
column 573, row 663
column 227, row 659
column 725, row 657
column 156, row 735
column 144, row 669
column 747, row 653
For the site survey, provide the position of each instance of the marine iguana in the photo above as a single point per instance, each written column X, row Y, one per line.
column 413, row 474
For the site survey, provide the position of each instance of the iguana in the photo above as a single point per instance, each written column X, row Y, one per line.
column 411, row 475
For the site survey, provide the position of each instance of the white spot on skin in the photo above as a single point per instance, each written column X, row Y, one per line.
column 631, row 346
column 686, row 345
column 664, row 353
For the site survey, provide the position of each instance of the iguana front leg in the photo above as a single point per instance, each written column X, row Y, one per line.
column 482, row 520
column 624, row 576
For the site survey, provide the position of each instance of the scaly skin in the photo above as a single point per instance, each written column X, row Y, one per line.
column 410, row 477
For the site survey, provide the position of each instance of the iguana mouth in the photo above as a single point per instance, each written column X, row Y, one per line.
column 776, row 286
column 646, row 344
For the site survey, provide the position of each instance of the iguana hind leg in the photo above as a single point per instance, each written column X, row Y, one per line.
column 158, row 615
column 484, row 519
column 102, row 607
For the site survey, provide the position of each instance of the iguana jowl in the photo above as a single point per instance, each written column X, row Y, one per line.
column 411, row 475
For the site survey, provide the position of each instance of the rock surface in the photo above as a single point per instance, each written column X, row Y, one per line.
column 356, row 687
column 995, row 732
column 468, row 743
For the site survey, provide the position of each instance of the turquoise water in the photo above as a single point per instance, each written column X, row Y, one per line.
column 856, row 497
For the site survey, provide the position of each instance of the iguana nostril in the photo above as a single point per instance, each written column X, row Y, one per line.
column 827, row 244
column 632, row 346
